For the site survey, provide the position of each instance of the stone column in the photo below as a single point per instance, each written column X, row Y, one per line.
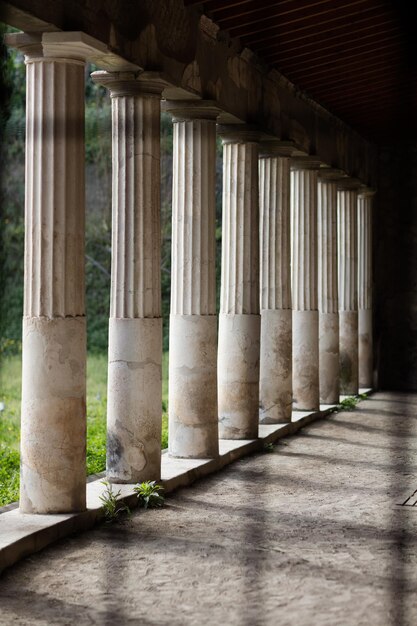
column 192, row 405
column 53, row 432
column 275, row 385
column 304, row 283
column 327, row 287
column 347, row 210
column 239, row 322
column 365, row 287
column 135, row 326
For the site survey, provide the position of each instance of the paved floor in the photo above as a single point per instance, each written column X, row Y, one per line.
column 310, row 534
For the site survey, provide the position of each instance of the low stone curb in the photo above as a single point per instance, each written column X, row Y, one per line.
column 22, row 534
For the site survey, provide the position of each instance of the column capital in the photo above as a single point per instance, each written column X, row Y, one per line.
column 130, row 83
column 349, row 184
column 238, row 133
column 183, row 110
column 331, row 175
column 366, row 192
column 276, row 148
column 309, row 162
column 75, row 46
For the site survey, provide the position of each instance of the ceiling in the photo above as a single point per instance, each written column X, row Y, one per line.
column 358, row 58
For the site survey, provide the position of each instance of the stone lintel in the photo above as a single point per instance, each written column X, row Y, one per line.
column 277, row 148
column 182, row 110
column 130, row 83
column 69, row 45
column 309, row 162
column 239, row 133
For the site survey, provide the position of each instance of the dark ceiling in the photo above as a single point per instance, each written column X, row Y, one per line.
column 358, row 58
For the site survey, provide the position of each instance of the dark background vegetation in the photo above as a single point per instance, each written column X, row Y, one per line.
column 98, row 206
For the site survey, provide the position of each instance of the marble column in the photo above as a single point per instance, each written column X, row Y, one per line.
column 365, row 200
column 304, row 283
column 192, row 404
column 53, row 427
column 347, row 207
column 275, row 384
column 328, row 303
column 239, row 322
column 135, row 327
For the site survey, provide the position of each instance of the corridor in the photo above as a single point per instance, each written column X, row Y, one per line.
column 312, row 533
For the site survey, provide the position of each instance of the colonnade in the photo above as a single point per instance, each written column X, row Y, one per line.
column 295, row 321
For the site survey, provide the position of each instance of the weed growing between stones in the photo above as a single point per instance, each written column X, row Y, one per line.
column 268, row 447
column 149, row 494
column 112, row 507
column 349, row 404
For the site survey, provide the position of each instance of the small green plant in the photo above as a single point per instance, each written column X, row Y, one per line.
column 268, row 447
column 149, row 495
column 112, row 507
column 349, row 404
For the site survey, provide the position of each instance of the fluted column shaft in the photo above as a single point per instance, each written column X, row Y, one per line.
column 192, row 405
column 327, row 290
column 347, row 202
column 275, row 384
column 134, row 397
column 365, row 288
column 304, row 284
column 239, row 323
column 53, row 429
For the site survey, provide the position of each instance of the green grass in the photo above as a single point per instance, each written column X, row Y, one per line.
column 10, row 390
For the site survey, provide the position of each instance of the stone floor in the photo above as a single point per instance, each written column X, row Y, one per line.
column 311, row 534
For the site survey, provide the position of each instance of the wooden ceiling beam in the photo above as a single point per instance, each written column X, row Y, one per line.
column 343, row 54
column 352, row 43
column 336, row 11
column 318, row 27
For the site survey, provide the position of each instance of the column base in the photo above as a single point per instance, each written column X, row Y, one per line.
column 275, row 384
column 53, row 433
column 349, row 378
column 238, row 376
column 134, row 402
column 366, row 373
column 329, row 358
column 192, row 405
column 306, row 360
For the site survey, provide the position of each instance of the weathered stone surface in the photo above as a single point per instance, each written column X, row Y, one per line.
column 275, row 379
column 329, row 358
column 134, row 400
column 193, row 421
column 365, row 280
column 347, row 212
column 54, row 341
column 238, row 376
column 327, row 289
column 365, row 352
column 349, row 363
column 305, row 328
column 239, row 320
column 53, row 426
column 135, row 327
column 305, row 346
column 275, row 399
column 192, row 401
